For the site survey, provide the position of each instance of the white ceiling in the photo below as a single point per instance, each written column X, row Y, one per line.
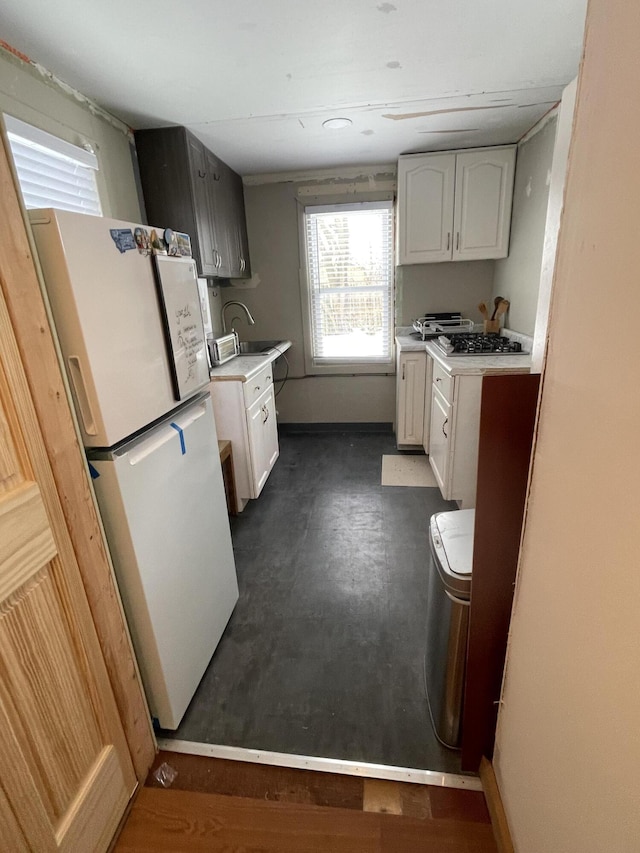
column 255, row 79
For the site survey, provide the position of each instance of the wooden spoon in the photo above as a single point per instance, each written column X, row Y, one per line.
column 496, row 302
column 501, row 308
column 482, row 308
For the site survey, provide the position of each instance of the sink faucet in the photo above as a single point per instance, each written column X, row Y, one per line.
column 250, row 319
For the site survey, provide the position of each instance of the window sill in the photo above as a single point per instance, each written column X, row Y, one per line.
column 348, row 368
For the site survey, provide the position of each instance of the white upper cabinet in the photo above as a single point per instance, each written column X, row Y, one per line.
column 425, row 208
column 482, row 207
column 455, row 206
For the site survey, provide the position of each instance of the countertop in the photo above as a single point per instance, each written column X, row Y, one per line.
column 470, row 365
column 480, row 365
column 243, row 367
column 407, row 343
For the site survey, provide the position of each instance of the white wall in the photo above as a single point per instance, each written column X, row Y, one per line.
column 564, row 130
column 28, row 94
column 455, row 286
column 517, row 277
column 568, row 744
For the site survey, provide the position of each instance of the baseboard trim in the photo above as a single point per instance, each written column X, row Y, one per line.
column 496, row 809
column 324, row 765
column 347, row 426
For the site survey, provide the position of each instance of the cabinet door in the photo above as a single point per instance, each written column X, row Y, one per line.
column 425, row 208
column 484, row 189
column 263, row 439
column 410, row 398
column 238, row 229
column 217, row 193
column 440, row 441
column 201, row 202
column 426, row 421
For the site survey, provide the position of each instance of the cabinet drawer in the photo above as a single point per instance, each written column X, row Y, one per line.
column 443, row 381
column 257, row 385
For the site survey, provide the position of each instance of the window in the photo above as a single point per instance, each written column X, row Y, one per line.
column 349, row 249
column 52, row 172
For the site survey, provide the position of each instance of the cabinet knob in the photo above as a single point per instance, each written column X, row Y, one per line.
column 257, row 388
column 446, row 420
column 201, row 174
column 448, row 240
column 403, row 372
column 438, row 378
column 457, row 241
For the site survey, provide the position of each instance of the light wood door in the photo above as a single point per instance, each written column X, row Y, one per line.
column 484, row 190
column 410, row 398
column 425, row 208
column 66, row 774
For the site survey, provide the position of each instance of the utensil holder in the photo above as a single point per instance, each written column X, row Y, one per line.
column 491, row 326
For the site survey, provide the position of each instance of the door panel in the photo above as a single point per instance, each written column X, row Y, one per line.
column 484, row 187
column 263, row 439
column 198, row 169
column 439, row 441
column 11, row 837
column 66, row 772
column 410, row 428
column 425, row 208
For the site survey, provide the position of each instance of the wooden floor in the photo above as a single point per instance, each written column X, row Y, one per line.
column 236, row 807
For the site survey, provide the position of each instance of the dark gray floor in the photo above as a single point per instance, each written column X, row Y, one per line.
column 324, row 652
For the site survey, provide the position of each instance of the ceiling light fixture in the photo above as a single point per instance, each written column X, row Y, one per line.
column 337, row 123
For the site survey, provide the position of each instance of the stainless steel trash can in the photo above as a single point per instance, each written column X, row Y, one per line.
column 451, row 545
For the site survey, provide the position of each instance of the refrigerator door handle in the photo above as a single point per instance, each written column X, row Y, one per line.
column 80, row 389
column 161, row 436
column 185, row 419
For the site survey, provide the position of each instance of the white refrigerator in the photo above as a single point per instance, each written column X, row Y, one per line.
column 132, row 343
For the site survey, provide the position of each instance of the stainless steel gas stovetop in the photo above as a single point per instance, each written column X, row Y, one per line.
column 477, row 343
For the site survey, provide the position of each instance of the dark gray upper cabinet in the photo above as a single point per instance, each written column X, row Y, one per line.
column 187, row 188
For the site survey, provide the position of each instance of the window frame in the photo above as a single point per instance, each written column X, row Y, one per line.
column 341, row 366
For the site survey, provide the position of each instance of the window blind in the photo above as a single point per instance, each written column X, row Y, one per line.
column 350, row 280
column 52, row 172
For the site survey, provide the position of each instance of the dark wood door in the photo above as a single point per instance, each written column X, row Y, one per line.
column 238, row 227
column 507, row 419
column 201, row 175
column 218, row 216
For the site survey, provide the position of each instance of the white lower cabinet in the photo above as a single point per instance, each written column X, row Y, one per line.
column 410, row 390
column 245, row 413
column 440, row 439
column 453, row 435
column 263, row 439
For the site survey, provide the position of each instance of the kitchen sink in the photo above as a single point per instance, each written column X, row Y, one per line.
column 257, row 347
